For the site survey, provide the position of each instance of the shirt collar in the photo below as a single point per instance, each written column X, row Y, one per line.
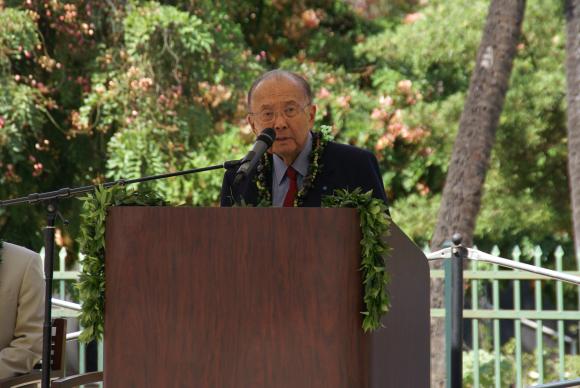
column 300, row 164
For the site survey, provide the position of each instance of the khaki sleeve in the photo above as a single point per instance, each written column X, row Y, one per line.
column 25, row 349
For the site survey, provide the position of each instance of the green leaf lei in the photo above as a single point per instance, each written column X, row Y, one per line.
column 91, row 282
column 374, row 224
column 319, row 141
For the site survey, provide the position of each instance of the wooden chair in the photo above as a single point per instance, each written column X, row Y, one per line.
column 76, row 380
column 58, row 346
column 58, row 349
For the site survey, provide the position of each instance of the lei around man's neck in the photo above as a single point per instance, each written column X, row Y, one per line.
column 264, row 170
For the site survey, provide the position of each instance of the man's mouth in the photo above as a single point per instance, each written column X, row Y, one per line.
column 282, row 138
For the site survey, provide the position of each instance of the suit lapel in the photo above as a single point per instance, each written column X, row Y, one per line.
column 324, row 183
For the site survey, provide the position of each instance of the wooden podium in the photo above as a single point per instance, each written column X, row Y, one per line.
column 256, row 298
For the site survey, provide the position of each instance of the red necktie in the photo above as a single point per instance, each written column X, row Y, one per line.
column 292, row 189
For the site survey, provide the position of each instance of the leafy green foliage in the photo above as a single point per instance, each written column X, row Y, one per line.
column 99, row 90
column 374, row 226
column 374, row 223
column 18, row 36
column 39, row 84
column 508, row 364
column 526, row 186
column 91, row 282
column 177, row 84
column 437, row 55
column 487, row 369
column 321, row 30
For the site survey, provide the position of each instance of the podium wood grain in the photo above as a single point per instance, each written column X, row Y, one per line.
column 242, row 297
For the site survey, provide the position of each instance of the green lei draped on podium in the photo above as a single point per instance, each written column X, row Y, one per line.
column 374, row 223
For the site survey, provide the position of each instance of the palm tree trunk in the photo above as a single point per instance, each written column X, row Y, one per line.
column 573, row 97
column 471, row 153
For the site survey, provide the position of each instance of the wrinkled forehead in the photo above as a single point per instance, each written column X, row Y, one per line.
column 277, row 90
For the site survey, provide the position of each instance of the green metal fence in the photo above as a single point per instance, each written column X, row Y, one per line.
column 484, row 319
column 566, row 314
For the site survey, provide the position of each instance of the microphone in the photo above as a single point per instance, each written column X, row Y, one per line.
column 263, row 142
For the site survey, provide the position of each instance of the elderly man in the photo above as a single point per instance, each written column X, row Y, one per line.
column 301, row 167
column 21, row 310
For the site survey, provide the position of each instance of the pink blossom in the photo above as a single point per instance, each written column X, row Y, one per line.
column 385, row 101
column 397, row 117
column 413, row 17
column 379, row 114
column 417, row 134
column 323, row 93
column 42, row 88
column 426, row 151
column 405, row 86
column 395, row 129
column 422, row 188
column 38, row 168
column 2, row 122
column 145, row 83
column 310, row 19
column 261, row 55
column 385, row 141
column 344, row 101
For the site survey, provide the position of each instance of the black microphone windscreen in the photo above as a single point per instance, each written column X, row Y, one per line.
column 268, row 136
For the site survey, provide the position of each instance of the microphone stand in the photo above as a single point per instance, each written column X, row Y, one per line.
column 51, row 200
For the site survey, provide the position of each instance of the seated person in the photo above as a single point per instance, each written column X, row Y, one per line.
column 21, row 310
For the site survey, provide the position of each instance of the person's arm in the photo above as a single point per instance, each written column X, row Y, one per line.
column 373, row 176
column 25, row 349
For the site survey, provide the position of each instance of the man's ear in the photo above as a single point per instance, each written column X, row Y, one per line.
column 250, row 120
column 312, row 114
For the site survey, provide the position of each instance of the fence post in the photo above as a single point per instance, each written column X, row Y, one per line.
column 459, row 254
column 448, row 308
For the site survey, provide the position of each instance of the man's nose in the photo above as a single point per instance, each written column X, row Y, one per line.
column 280, row 121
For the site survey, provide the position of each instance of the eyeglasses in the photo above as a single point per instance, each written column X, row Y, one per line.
column 268, row 115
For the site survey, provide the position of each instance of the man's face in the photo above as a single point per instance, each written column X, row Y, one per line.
column 283, row 97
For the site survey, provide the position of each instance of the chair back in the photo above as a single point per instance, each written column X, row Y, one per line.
column 57, row 354
column 58, row 347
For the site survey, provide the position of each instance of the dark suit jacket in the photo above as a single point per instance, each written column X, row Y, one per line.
column 343, row 167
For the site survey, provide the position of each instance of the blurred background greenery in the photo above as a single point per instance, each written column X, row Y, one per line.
column 98, row 90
